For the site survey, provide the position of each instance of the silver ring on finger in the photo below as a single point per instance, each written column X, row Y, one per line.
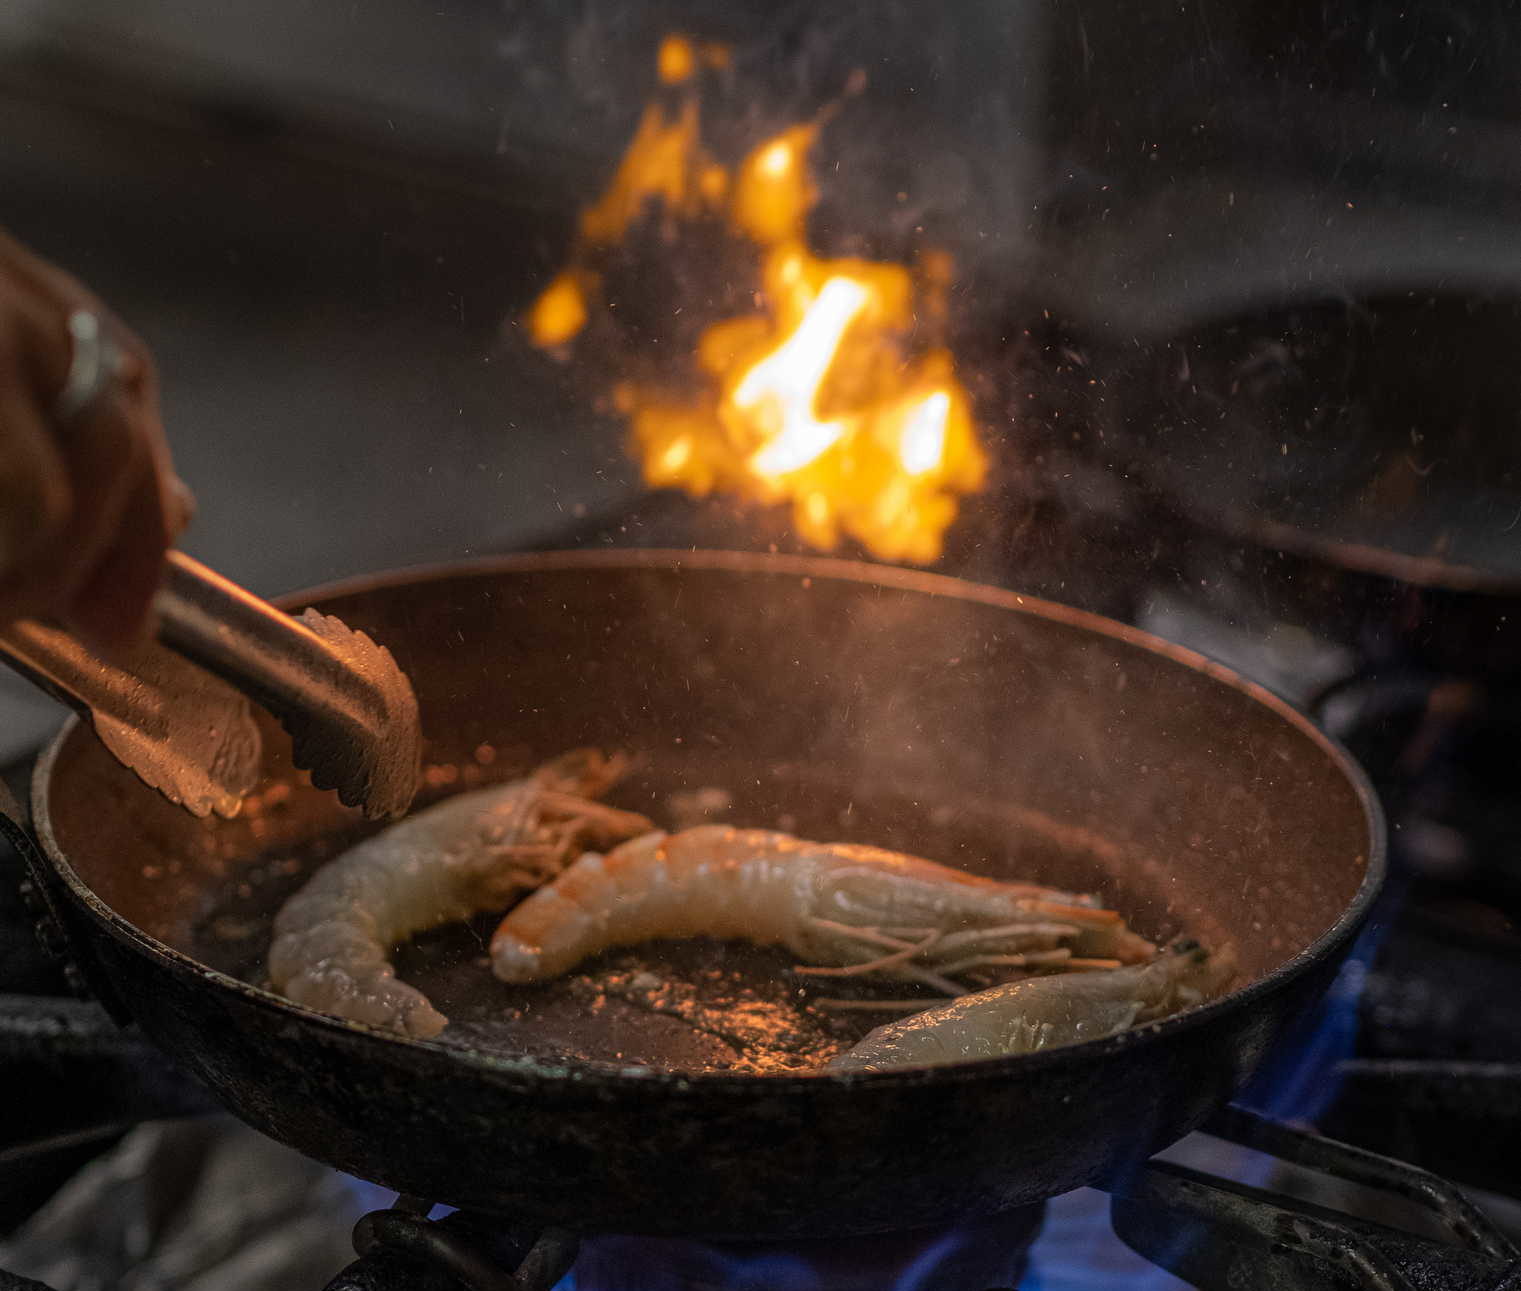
column 95, row 363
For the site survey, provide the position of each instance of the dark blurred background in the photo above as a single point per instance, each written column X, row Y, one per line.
column 325, row 217
column 309, row 212
column 1240, row 292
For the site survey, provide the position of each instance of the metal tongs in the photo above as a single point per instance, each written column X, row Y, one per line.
column 168, row 712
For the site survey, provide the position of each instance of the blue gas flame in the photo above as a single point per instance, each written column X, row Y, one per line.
column 1078, row 1251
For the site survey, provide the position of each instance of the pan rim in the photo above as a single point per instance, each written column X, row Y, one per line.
column 529, row 1073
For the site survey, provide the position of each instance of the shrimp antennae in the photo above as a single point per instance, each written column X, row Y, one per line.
column 874, row 1006
column 911, row 951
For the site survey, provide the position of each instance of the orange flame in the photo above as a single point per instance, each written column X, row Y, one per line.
column 827, row 398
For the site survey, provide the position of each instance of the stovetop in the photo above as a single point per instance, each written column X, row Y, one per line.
column 1416, row 1054
column 1343, row 1163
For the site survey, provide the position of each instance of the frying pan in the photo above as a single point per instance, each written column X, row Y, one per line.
column 976, row 726
column 1356, row 462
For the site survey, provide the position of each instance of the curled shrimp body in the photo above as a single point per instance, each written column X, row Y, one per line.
column 829, row 903
column 333, row 939
column 1043, row 1012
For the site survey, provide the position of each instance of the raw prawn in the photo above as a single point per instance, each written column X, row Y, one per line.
column 829, row 903
column 1044, row 1012
column 332, row 939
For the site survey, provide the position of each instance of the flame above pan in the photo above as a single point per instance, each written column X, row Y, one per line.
column 836, row 395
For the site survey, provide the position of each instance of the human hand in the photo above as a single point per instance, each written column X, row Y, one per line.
column 89, row 503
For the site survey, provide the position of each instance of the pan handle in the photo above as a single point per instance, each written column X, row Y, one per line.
column 39, row 891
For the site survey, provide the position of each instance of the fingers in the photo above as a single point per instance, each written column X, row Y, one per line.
column 107, row 460
column 112, row 606
column 36, row 498
column 87, row 508
column 182, row 506
column 130, row 513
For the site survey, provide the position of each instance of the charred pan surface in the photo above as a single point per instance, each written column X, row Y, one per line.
column 727, row 1157
column 1097, row 760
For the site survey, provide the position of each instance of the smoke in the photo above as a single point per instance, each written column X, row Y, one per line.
column 929, row 114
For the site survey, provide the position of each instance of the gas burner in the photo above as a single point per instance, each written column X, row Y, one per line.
column 1221, row 1234
column 401, row 1247
column 1215, row 1232
column 401, row 1243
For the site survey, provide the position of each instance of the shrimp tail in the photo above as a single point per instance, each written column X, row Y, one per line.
column 333, row 939
column 584, row 773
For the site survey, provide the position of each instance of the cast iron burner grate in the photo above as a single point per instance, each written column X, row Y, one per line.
column 1214, row 1232
column 1221, row 1234
column 401, row 1247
